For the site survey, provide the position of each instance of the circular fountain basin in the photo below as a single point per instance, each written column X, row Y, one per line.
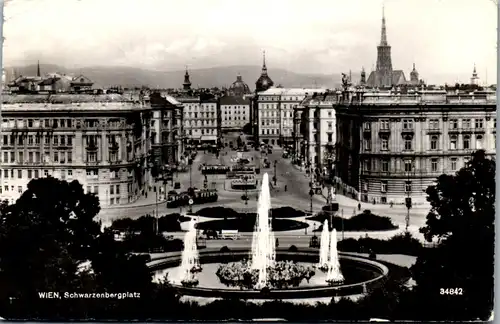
column 360, row 274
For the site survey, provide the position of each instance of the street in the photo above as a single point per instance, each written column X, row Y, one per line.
column 296, row 196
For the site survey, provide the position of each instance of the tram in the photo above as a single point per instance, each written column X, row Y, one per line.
column 214, row 169
column 199, row 197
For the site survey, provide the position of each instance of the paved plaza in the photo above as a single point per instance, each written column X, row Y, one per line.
column 297, row 196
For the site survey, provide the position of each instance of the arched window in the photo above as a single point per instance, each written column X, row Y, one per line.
column 466, row 142
column 434, row 142
column 479, row 142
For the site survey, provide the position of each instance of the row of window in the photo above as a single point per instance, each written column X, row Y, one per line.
column 35, row 157
column 202, row 107
column 200, row 123
column 435, row 123
column 284, row 114
column 201, row 115
column 280, row 98
column 235, row 118
column 113, row 156
column 235, row 112
column 409, row 165
column 434, row 143
column 203, row 131
column 37, row 139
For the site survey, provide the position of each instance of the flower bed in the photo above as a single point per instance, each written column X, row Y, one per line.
column 224, row 212
column 282, row 275
column 366, row 221
column 247, row 224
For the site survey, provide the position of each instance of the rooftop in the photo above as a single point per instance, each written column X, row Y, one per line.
column 290, row 91
column 234, row 100
column 62, row 98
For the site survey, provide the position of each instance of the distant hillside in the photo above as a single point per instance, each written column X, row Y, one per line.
column 209, row 77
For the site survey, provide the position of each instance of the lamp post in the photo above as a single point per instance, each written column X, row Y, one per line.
column 190, row 162
column 157, row 229
column 246, row 192
column 408, row 203
column 275, row 178
column 311, row 194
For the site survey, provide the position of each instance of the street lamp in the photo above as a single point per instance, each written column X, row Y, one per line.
column 408, row 203
column 311, row 194
column 157, row 229
column 190, row 162
column 275, row 178
column 246, row 192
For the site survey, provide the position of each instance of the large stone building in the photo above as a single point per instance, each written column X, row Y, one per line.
column 394, row 145
column 235, row 112
column 384, row 76
column 201, row 119
column 315, row 131
column 274, row 116
column 110, row 144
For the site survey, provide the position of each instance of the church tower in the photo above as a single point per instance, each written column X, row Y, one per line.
column 475, row 78
column 362, row 81
column 414, row 76
column 384, row 61
column 264, row 82
column 187, row 83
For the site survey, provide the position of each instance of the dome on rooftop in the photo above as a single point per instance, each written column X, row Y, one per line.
column 239, row 88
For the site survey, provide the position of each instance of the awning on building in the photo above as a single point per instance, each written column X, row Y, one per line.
column 206, row 138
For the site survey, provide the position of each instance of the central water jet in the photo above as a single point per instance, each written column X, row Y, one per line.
column 263, row 243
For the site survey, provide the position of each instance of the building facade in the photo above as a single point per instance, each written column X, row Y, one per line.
column 274, row 113
column 200, row 119
column 318, row 131
column 105, row 142
column 235, row 112
column 407, row 140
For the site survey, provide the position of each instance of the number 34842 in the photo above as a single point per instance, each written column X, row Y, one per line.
column 451, row 291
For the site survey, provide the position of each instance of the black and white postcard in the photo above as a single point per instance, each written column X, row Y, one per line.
column 270, row 160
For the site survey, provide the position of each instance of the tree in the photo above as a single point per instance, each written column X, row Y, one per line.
column 44, row 238
column 462, row 219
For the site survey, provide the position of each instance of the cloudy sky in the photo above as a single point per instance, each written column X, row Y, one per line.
column 443, row 37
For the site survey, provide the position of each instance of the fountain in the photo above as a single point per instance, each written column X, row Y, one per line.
column 334, row 275
column 190, row 263
column 324, row 246
column 265, row 272
column 263, row 244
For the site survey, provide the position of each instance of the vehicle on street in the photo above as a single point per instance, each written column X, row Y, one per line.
column 230, row 235
column 198, row 197
column 214, row 169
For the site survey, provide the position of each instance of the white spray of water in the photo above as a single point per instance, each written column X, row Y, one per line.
column 334, row 274
column 324, row 247
column 190, row 261
column 263, row 244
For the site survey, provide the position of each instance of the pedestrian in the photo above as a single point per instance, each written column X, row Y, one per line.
column 286, row 188
column 359, row 206
column 277, row 242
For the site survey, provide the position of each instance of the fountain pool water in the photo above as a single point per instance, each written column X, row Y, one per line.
column 237, row 273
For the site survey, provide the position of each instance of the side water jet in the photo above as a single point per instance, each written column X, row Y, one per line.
column 263, row 244
column 324, row 252
column 190, row 263
column 334, row 275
